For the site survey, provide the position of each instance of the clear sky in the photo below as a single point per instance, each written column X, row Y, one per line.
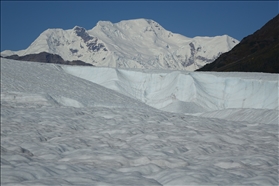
column 22, row 22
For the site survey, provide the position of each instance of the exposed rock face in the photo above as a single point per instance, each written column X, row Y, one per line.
column 81, row 32
column 91, row 42
column 47, row 58
column 258, row 52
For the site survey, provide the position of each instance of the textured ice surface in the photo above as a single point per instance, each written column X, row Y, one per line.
column 187, row 92
column 58, row 129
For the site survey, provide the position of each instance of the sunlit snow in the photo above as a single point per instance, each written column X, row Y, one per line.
column 187, row 92
column 69, row 125
column 136, row 43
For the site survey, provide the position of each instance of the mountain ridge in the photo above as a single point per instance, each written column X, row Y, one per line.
column 137, row 43
column 45, row 57
column 257, row 52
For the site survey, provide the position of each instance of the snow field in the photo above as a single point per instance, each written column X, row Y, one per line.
column 58, row 129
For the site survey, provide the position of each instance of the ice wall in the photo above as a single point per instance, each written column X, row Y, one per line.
column 188, row 92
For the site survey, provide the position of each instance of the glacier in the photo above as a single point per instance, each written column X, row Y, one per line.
column 186, row 92
column 71, row 125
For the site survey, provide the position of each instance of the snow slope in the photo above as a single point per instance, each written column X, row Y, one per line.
column 138, row 43
column 58, row 129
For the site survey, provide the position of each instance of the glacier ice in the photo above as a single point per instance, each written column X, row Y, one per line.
column 60, row 129
column 180, row 91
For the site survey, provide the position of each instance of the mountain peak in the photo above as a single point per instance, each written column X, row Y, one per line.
column 136, row 24
column 141, row 22
column 136, row 43
column 104, row 23
column 81, row 32
column 138, row 21
column 78, row 28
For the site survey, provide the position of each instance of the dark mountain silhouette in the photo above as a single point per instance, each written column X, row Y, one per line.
column 45, row 57
column 257, row 52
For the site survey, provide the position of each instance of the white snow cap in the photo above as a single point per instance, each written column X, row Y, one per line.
column 136, row 43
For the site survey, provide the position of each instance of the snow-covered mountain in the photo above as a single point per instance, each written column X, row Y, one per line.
column 138, row 43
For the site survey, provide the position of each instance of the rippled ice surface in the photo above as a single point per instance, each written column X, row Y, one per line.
column 57, row 129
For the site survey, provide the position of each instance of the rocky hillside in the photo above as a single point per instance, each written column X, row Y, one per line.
column 257, row 52
column 47, row 58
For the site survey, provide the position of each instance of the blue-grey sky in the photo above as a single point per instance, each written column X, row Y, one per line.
column 22, row 22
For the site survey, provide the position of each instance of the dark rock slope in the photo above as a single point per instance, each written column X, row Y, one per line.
column 257, row 52
column 45, row 57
